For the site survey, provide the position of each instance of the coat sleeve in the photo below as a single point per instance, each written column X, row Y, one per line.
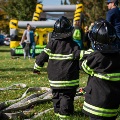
column 82, row 54
column 42, row 57
column 91, row 64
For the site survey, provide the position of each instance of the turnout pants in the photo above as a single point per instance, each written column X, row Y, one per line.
column 63, row 100
column 102, row 99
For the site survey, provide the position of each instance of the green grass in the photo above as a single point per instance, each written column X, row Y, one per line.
column 19, row 70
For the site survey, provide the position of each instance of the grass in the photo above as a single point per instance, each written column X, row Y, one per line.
column 19, row 70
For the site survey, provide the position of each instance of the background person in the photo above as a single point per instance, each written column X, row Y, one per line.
column 63, row 69
column 113, row 15
column 25, row 41
column 32, row 41
column 77, row 35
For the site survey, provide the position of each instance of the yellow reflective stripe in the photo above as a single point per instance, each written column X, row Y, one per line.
column 64, row 116
column 58, row 56
column 99, row 111
column 83, row 52
column 72, row 81
column 111, row 77
column 36, row 67
column 86, row 68
column 57, row 114
column 47, row 51
column 64, row 83
column 89, row 51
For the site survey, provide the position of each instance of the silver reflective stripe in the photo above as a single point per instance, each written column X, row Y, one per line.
column 111, row 76
column 36, row 67
column 64, row 83
column 99, row 111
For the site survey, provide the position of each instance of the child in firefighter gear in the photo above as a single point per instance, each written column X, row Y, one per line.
column 102, row 97
column 63, row 69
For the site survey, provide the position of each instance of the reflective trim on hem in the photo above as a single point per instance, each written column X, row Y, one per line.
column 99, row 111
column 64, row 83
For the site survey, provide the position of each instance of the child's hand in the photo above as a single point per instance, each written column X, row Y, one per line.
column 36, row 72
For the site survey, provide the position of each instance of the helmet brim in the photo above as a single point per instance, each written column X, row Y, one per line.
column 107, row 48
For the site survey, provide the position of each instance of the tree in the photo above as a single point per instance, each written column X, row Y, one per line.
column 3, row 21
column 61, row 2
column 14, row 9
column 73, row 1
column 20, row 10
column 65, row 2
column 93, row 9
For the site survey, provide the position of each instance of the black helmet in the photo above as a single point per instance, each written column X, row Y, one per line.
column 103, row 36
column 62, row 28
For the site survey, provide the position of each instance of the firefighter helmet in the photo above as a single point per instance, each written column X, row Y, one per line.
column 62, row 28
column 103, row 36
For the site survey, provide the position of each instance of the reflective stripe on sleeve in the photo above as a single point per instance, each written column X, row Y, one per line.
column 111, row 76
column 58, row 56
column 36, row 67
column 61, row 57
column 83, row 52
column 47, row 51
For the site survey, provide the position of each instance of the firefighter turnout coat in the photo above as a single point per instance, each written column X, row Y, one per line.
column 63, row 69
column 102, row 97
